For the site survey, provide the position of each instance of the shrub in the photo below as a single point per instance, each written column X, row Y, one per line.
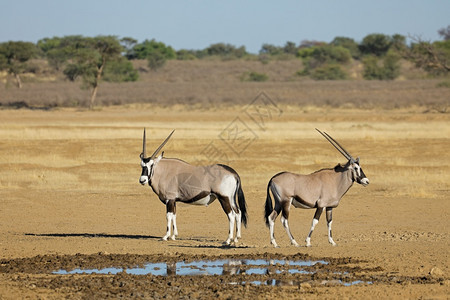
column 328, row 53
column 156, row 61
column 322, row 62
column 387, row 68
column 305, row 52
column 184, row 54
column 254, row 76
column 270, row 49
column 148, row 48
column 375, row 44
column 226, row 50
column 328, row 72
column 120, row 70
column 347, row 43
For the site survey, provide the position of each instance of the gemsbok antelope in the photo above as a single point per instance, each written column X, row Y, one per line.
column 174, row 180
column 321, row 190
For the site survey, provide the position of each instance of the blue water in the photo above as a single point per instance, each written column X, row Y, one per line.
column 214, row 267
column 220, row 267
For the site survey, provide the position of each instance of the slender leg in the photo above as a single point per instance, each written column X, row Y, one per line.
column 170, row 212
column 284, row 221
column 329, row 222
column 174, row 220
column 231, row 219
column 272, row 217
column 226, row 206
column 313, row 225
column 238, row 226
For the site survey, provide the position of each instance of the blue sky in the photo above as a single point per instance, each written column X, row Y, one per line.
column 196, row 24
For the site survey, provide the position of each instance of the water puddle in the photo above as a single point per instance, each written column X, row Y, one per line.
column 210, row 267
column 228, row 267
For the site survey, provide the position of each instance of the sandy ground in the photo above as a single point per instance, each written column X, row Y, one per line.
column 70, row 197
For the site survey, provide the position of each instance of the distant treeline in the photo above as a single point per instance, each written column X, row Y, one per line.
column 109, row 58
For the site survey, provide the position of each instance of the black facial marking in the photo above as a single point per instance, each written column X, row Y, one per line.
column 144, row 171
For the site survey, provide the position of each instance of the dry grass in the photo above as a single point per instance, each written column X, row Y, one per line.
column 204, row 84
column 402, row 152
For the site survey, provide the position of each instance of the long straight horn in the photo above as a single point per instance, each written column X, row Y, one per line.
column 143, row 145
column 336, row 145
column 162, row 145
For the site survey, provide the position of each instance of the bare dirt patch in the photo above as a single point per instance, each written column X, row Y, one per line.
column 70, row 198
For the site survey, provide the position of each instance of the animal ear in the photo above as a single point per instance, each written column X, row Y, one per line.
column 159, row 158
column 357, row 160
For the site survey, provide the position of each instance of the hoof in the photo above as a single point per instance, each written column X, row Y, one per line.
column 173, row 238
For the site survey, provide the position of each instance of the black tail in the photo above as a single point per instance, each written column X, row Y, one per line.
column 242, row 203
column 268, row 207
column 276, row 198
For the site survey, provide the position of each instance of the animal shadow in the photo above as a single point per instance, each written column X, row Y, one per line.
column 94, row 235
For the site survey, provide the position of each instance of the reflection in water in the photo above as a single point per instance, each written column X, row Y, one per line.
column 213, row 267
column 224, row 267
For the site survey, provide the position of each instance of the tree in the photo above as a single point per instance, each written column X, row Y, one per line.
column 290, row 48
column 120, row 70
column 128, row 44
column 14, row 56
column 445, row 33
column 156, row 60
column 226, row 50
column 147, row 48
column 185, row 54
column 376, row 44
column 270, row 49
column 347, row 43
column 386, row 68
column 54, row 52
column 89, row 59
column 322, row 62
column 399, row 42
column 431, row 57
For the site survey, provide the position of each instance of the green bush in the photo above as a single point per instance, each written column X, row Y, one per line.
column 226, row 50
column 387, row 68
column 184, row 54
column 376, row 44
column 347, row 43
column 270, row 49
column 331, row 54
column 156, row 61
column 147, row 48
column 254, row 76
column 328, row 72
column 305, row 52
column 120, row 71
